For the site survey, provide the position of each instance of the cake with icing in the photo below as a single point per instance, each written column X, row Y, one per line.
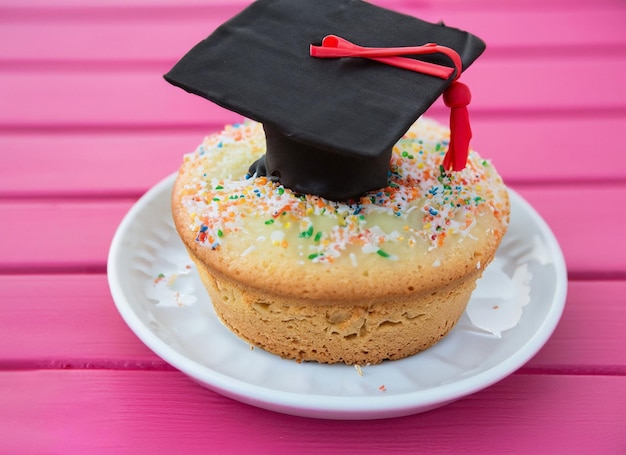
column 337, row 224
column 381, row 277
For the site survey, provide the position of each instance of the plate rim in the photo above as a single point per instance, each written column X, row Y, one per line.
column 327, row 406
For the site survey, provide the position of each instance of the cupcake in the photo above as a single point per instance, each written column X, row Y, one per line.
column 336, row 224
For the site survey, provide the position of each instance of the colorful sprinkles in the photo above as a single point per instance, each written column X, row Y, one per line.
column 444, row 203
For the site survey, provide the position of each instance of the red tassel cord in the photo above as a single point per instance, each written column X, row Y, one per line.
column 457, row 96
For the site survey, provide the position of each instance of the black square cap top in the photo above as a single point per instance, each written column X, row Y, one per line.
column 332, row 114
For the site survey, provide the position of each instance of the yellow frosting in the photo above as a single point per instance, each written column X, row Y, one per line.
column 422, row 208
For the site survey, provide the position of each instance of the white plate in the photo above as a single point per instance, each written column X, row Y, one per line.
column 174, row 318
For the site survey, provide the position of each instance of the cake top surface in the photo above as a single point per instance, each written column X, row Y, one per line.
column 422, row 208
column 259, row 64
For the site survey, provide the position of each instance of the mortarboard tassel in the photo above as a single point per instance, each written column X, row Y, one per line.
column 457, row 96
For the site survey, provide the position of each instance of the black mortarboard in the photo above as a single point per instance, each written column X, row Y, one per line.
column 331, row 123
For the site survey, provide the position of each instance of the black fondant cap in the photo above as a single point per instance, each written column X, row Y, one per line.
column 330, row 123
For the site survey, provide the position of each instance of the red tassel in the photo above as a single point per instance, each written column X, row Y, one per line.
column 457, row 96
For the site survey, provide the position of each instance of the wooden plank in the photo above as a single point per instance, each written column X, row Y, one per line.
column 538, row 85
column 166, row 38
column 586, row 221
column 58, row 235
column 552, row 149
column 74, row 235
column 174, row 30
column 74, row 163
column 141, row 98
column 38, row 310
column 585, row 342
column 524, row 149
column 75, row 411
column 507, row 29
column 118, row 99
column 513, row 5
column 66, row 321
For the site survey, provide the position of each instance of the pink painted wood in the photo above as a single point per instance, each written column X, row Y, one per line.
column 126, row 98
column 87, row 125
column 38, row 38
column 37, row 336
column 586, row 341
column 135, row 411
column 82, row 153
column 74, row 243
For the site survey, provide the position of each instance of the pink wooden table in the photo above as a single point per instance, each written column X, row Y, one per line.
column 87, row 125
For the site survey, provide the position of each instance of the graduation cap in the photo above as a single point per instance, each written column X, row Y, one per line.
column 335, row 83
